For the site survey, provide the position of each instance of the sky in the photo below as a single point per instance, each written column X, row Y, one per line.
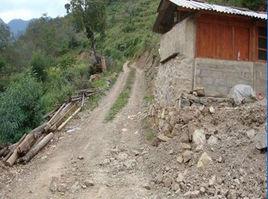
column 28, row 9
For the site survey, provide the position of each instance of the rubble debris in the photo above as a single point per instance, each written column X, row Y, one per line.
column 199, row 137
column 204, row 160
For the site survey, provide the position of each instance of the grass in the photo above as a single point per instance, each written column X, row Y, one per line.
column 150, row 135
column 122, row 99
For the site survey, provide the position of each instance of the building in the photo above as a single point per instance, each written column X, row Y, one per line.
column 210, row 46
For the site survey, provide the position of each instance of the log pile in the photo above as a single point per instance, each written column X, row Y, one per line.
column 30, row 144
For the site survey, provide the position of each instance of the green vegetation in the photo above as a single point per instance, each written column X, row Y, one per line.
column 122, row 99
column 251, row 4
column 89, row 16
column 150, row 135
column 43, row 67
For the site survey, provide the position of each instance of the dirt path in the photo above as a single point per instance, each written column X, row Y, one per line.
column 107, row 155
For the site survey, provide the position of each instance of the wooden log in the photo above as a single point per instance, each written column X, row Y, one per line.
column 83, row 101
column 4, row 151
column 38, row 147
column 64, row 123
column 13, row 147
column 53, row 125
column 12, row 159
column 39, row 130
column 51, row 121
column 61, row 119
column 26, row 144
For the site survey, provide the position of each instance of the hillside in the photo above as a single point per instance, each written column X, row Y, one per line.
column 48, row 56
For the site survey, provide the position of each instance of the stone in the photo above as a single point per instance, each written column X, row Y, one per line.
column 192, row 193
column 75, row 187
column 147, row 187
column 176, row 187
column 212, row 140
column 89, row 183
column 159, row 178
column 135, row 152
column 251, row 133
column 199, row 148
column 204, row 160
column 122, row 156
column 80, row 157
column 220, row 160
column 168, row 181
column 186, row 146
column 187, row 156
column 212, row 181
column 202, row 189
column 180, row 177
column 124, row 130
column 199, row 137
column 171, row 152
column 62, row 188
column 163, row 138
column 212, row 110
column 260, row 141
column 180, row 159
column 53, row 187
column 199, row 91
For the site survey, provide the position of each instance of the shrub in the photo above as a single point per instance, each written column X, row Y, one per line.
column 19, row 108
column 39, row 64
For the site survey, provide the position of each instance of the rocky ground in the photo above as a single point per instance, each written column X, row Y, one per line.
column 210, row 150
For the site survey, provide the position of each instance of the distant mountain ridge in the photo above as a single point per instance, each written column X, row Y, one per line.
column 1, row 21
column 18, row 26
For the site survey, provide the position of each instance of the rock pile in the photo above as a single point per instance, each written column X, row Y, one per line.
column 218, row 151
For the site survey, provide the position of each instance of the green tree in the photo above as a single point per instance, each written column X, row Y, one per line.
column 90, row 16
column 4, row 36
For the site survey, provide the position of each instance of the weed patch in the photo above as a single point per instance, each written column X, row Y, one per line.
column 122, row 99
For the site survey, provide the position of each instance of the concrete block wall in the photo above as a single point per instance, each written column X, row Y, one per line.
column 260, row 78
column 179, row 40
column 219, row 76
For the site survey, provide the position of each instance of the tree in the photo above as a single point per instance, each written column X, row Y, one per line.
column 4, row 36
column 90, row 16
column 67, row 7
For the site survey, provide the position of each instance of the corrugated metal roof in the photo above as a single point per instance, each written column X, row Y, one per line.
column 194, row 5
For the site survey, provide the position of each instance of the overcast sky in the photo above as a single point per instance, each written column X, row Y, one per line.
column 28, row 9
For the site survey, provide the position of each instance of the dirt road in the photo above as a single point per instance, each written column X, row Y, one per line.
column 97, row 160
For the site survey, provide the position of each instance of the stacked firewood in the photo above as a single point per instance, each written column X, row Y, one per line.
column 30, row 144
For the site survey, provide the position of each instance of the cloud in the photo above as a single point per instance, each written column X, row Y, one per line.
column 28, row 9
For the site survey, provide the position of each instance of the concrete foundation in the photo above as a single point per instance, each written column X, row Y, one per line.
column 180, row 40
column 219, row 76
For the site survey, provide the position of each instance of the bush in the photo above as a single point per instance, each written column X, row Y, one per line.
column 39, row 64
column 20, row 108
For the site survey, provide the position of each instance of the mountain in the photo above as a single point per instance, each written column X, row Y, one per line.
column 18, row 27
column 2, row 22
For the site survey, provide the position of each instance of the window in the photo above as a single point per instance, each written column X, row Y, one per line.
column 262, row 43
